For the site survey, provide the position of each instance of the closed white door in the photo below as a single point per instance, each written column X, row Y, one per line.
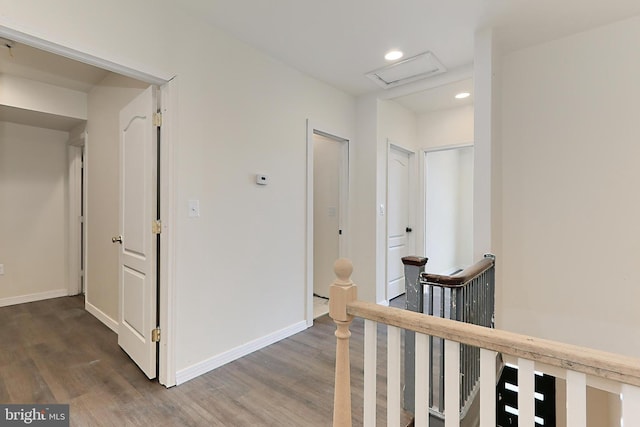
column 138, row 210
column 399, row 229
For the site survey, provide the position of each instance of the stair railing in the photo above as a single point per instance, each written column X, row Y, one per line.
column 466, row 296
column 580, row 366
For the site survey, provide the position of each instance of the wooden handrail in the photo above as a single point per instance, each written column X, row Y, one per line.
column 602, row 364
column 459, row 279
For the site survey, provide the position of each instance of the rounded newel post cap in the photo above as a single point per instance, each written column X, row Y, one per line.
column 415, row 260
column 343, row 269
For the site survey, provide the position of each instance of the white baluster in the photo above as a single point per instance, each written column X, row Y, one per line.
column 370, row 364
column 487, row 388
column 451, row 384
column 576, row 399
column 630, row 405
column 393, row 376
column 422, row 381
column 526, row 396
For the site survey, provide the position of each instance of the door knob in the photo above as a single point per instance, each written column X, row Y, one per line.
column 408, row 230
column 117, row 239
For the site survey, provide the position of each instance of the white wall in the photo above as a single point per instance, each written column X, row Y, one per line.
column 36, row 96
column 242, row 262
column 102, row 158
column 397, row 124
column 449, row 210
column 438, row 130
column 240, row 266
column 570, row 171
column 33, row 213
column 364, row 217
column 444, row 128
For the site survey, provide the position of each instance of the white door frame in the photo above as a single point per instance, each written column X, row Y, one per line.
column 343, row 248
column 75, row 149
column 168, row 94
column 413, row 218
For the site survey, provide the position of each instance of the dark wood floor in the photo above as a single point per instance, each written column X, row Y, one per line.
column 55, row 352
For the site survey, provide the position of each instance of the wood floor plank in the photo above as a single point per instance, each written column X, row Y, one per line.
column 55, row 352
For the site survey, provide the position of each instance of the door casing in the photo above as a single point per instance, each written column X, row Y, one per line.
column 315, row 128
column 77, row 196
column 328, row 159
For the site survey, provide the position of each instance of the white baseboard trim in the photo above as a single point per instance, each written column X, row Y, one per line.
column 212, row 363
column 21, row 299
column 101, row 316
column 383, row 302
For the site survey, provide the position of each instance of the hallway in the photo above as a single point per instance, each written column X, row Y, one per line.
column 55, row 352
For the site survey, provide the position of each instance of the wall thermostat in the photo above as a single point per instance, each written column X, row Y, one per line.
column 262, row 179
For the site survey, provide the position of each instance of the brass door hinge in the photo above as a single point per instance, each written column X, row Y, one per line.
column 156, row 226
column 155, row 335
column 157, row 119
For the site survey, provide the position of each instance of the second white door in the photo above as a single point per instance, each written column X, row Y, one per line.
column 399, row 227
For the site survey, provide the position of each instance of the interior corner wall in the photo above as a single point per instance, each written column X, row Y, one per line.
column 485, row 140
column 102, row 159
column 364, row 198
column 396, row 125
column 33, row 213
column 242, row 262
column 570, row 226
column 445, row 128
column 378, row 121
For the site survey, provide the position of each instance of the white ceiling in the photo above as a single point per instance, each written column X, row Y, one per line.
column 438, row 98
column 339, row 41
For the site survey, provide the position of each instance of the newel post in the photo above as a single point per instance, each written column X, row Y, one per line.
column 413, row 268
column 342, row 292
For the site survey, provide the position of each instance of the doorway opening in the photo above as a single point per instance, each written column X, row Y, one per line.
column 80, row 235
column 449, row 209
column 327, row 214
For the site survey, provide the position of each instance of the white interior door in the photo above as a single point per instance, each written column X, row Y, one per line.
column 398, row 220
column 138, row 210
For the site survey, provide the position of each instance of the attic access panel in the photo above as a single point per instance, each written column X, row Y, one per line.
column 406, row 71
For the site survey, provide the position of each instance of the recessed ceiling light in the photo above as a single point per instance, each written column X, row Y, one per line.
column 392, row 55
column 463, row 95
